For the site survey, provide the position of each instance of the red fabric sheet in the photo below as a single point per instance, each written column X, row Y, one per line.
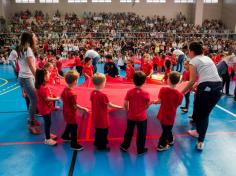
column 116, row 89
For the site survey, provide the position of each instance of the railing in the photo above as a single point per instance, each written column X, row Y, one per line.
column 121, row 35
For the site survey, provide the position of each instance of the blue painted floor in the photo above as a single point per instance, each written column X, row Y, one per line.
column 24, row 154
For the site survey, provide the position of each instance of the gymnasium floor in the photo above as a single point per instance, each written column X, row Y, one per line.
column 25, row 154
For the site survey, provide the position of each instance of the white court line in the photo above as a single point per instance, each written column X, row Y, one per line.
column 227, row 111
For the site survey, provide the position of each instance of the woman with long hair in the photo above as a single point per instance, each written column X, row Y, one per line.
column 26, row 77
column 208, row 90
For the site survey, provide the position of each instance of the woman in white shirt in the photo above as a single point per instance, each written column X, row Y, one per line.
column 208, row 89
column 26, row 77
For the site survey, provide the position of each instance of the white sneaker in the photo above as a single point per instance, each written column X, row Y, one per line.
column 200, row 146
column 50, row 142
column 193, row 133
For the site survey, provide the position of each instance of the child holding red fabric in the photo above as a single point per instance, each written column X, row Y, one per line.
column 168, row 66
column 70, row 108
column 186, row 77
column 169, row 98
column 136, row 103
column 129, row 70
column 88, row 68
column 78, row 64
column 146, row 67
column 100, row 104
column 45, row 103
column 59, row 66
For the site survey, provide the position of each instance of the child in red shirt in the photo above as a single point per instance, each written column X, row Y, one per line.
column 45, row 103
column 78, row 64
column 59, row 66
column 136, row 103
column 146, row 67
column 88, row 68
column 100, row 104
column 168, row 66
column 70, row 108
column 170, row 99
column 186, row 77
column 155, row 62
column 129, row 70
column 41, row 62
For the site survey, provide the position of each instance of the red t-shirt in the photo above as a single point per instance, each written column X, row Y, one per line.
column 155, row 60
column 99, row 102
column 138, row 100
column 170, row 100
column 186, row 75
column 130, row 72
column 59, row 65
column 88, row 69
column 78, row 61
column 44, row 107
column 146, row 68
column 41, row 64
column 165, row 78
column 69, row 98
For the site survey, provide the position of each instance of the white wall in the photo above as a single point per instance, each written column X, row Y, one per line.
column 229, row 14
column 213, row 11
column 169, row 9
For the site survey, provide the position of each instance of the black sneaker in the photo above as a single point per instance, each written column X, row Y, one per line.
column 161, row 148
column 123, row 149
column 77, row 147
column 142, row 151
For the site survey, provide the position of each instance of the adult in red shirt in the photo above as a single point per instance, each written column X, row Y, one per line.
column 169, row 98
column 70, row 108
column 136, row 103
column 45, row 102
column 100, row 104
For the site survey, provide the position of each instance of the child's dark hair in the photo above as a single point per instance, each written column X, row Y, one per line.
column 87, row 59
column 71, row 76
column 139, row 78
column 108, row 56
column 39, row 77
column 174, row 77
column 196, row 47
column 168, row 64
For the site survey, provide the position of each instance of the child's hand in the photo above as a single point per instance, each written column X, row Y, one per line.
column 85, row 109
column 57, row 98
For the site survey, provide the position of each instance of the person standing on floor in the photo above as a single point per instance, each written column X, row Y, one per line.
column 208, row 89
column 26, row 77
column 95, row 58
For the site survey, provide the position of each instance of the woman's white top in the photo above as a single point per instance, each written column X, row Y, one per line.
column 25, row 71
column 206, row 69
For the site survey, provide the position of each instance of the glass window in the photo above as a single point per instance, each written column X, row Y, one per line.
column 210, row 1
column 25, row 1
column 184, row 1
column 77, row 1
column 156, row 1
column 49, row 1
column 128, row 1
column 101, row 0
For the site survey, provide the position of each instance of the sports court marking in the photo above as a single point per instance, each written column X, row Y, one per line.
column 223, row 133
column 225, row 110
column 5, row 82
column 5, row 92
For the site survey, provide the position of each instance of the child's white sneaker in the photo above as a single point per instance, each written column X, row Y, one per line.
column 200, row 146
column 50, row 142
column 193, row 133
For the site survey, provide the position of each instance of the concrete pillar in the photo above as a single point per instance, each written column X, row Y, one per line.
column 199, row 8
